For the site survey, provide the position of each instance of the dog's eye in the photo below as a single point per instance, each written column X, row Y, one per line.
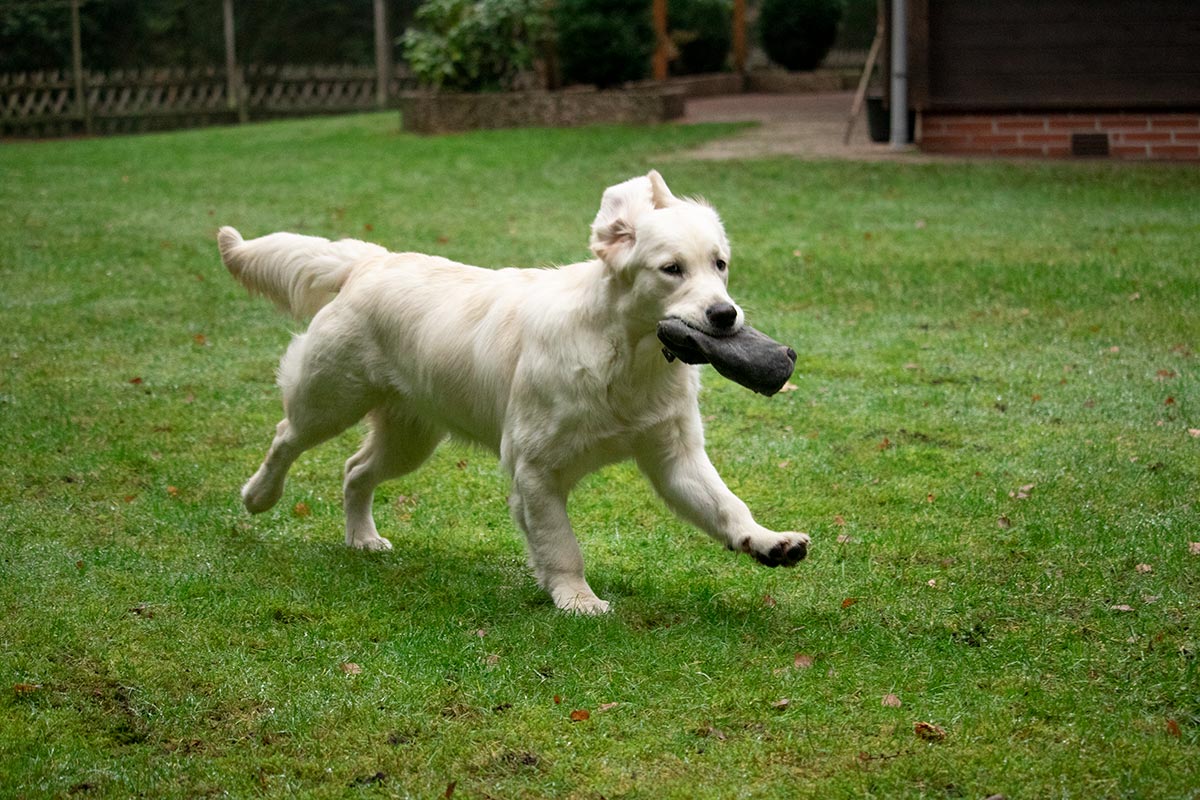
column 721, row 265
column 673, row 269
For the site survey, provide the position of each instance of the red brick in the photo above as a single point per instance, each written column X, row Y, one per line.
column 995, row 140
column 1027, row 151
column 1081, row 123
column 1175, row 151
column 1129, row 151
column 1046, row 138
column 943, row 140
column 1188, row 122
column 969, row 126
column 1135, row 137
column 1124, row 122
column 1185, row 136
column 1058, row 152
column 1006, row 124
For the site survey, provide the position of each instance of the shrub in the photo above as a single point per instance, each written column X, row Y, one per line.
column 475, row 45
column 797, row 34
column 702, row 31
column 857, row 30
column 605, row 42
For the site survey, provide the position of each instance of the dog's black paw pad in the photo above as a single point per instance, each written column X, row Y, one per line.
column 783, row 554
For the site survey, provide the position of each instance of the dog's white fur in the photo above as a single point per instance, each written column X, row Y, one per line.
column 558, row 371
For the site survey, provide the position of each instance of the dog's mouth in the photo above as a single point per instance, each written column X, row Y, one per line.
column 745, row 356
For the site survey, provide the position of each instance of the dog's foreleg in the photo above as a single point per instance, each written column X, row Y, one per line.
column 539, row 507
column 681, row 472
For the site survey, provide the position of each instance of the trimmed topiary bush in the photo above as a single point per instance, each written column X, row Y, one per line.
column 604, row 42
column 702, row 31
column 797, row 34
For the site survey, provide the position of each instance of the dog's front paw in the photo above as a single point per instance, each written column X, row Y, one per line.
column 375, row 543
column 777, row 549
column 580, row 602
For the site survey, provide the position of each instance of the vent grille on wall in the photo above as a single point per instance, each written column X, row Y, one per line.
column 1089, row 144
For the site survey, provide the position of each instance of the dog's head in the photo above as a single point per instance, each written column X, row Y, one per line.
column 671, row 258
column 671, row 253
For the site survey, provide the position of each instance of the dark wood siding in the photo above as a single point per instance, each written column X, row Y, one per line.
column 1055, row 54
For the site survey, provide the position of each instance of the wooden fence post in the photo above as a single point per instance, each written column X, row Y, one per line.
column 739, row 36
column 237, row 99
column 661, row 43
column 81, row 103
column 383, row 56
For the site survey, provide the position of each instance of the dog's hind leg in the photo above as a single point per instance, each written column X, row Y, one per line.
column 319, row 404
column 398, row 444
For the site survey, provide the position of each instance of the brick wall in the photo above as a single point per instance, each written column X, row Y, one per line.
column 1135, row 136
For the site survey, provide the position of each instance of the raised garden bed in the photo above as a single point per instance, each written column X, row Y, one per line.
column 451, row 112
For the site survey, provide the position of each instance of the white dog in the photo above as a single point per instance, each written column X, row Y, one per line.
column 558, row 371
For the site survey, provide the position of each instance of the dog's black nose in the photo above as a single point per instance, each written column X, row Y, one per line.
column 721, row 315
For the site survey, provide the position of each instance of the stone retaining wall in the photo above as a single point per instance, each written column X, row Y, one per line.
column 452, row 112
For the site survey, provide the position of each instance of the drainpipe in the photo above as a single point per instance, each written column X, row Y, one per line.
column 899, row 134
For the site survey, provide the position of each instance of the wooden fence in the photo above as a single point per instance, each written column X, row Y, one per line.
column 130, row 101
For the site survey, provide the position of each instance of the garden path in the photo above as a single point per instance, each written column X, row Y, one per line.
column 809, row 125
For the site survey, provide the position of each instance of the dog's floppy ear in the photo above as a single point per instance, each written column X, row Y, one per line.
column 614, row 230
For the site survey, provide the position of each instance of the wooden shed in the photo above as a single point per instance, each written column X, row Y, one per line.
column 1058, row 78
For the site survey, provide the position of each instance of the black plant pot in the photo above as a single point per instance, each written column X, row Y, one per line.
column 879, row 120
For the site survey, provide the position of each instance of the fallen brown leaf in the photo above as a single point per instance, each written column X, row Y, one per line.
column 789, row 387
column 849, row 601
column 1022, row 493
column 891, row 701
column 600, row 709
column 929, row 732
column 781, row 703
column 1004, row 522
column 802, row 661
column 301, row 509
column 21, row 689
column 768, row 601
column 839, row 520
column 580, row 715
column 708, row 731
column 1123, row 607
column 1194, row 548
column 1144, row 569
column 1173, row 728
column 350, row 668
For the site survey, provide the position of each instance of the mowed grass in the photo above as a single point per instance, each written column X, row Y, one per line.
column 993, row 442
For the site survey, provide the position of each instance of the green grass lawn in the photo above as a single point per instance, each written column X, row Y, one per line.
column 993, row 442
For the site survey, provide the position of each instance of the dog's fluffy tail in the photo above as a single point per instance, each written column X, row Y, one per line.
column 299, row 274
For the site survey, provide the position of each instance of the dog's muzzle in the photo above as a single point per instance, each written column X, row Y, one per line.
column 745, row 356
